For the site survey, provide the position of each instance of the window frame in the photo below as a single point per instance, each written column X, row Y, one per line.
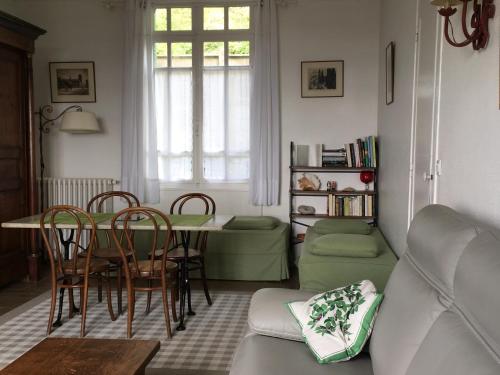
column 197, row 36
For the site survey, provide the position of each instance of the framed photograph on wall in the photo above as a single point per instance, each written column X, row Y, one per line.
column 389, row 73
column 72, row 82
column 323, row 79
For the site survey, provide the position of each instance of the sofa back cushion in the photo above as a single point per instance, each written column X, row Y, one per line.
column 465, row 339
column 253, row 223
column 420, row 289
column 346, row 245
column 330, row 226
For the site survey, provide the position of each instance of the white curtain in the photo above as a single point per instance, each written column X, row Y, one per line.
column 265, row 109
column 139, row 148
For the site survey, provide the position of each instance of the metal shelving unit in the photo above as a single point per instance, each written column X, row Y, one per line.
column 295, row 216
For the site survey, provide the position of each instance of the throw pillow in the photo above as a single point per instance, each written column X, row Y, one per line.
column 346, row 245
column 337, row 324
column 253, row 223
column 329, row 226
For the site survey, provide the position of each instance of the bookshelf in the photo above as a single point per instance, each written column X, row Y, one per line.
column 295, row 194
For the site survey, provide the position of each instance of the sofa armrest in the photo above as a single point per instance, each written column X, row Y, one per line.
column 269, row 316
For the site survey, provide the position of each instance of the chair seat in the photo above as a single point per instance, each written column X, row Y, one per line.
column 96, row 265
column 178, row 253
column 110, row 253
column 145, row 268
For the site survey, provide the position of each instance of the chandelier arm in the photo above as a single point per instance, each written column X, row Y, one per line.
column 449, row 39
column 465, row 9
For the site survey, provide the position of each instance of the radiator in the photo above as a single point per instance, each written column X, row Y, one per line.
column 76, row 192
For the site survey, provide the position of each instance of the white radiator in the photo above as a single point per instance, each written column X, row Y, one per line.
column 76, row 192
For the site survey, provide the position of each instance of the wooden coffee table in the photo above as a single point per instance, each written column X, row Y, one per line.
column 64, row 356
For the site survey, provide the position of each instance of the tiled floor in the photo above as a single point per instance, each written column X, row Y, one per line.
column 17, row 294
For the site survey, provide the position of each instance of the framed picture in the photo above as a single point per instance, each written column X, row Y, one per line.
column 72, row 82
column 389, row 73
column 322, row 79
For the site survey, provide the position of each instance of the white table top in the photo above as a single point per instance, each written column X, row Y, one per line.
column 214, row 224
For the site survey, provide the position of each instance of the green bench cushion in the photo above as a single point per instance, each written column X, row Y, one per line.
column 346, row 245
column 253, row 223
column 330, row 226
column 322, row 273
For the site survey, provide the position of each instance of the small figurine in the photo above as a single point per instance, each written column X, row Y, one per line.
column 309, row 182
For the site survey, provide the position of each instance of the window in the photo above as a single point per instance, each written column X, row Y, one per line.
column 202, row 58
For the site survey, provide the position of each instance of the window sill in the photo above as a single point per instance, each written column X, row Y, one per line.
column 204, row 186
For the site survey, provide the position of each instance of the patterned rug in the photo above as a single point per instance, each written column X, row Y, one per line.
column 208, row 343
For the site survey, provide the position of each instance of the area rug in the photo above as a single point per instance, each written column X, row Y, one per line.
column 207, row 344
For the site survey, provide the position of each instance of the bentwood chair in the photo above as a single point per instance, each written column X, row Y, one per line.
column 75, row 272
column 105, row 248
column 141, row 275
column 197, row 245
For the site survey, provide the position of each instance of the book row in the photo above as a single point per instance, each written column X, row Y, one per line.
column 357, row 205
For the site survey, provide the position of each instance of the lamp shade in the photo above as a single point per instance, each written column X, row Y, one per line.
column 445, row 3
column 80, row 123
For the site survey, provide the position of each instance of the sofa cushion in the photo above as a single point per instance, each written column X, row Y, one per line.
column 329, row 226
column 269, row 316
column 336, row 324
column 253, row 223
column 467, row 335
column 261, row 355
column 346, row 245
column 437, row 238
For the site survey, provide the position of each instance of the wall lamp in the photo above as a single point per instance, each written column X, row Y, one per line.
column 483, row 10
column 74, row 120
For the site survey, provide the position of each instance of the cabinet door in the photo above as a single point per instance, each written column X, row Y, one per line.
column 13, row 171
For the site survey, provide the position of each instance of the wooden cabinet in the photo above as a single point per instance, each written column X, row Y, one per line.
column 18, row 193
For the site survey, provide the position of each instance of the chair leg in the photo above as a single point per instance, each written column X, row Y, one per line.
column 130, row 307
column 71, row 301
column 108, row 296
column 119, row 288
column 204, row 281
column 83, row 307
column 150, row 292
column 53, row 301
column 165, row 305
column 173, row 295
column 99, row 288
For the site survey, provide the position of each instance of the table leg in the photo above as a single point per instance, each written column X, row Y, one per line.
column 185, row 286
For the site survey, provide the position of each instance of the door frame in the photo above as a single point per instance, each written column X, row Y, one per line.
column 436, row 115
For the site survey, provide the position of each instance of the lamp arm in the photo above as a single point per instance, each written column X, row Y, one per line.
column 43, row 127
column 45, row 120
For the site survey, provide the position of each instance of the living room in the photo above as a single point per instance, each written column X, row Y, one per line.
column 435, row 134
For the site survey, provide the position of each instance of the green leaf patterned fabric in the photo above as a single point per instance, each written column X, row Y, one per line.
column 336, row 324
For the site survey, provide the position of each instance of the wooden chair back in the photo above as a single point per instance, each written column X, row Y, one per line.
column 51, row 239
column 123, row 235
column 97, row 205
column 208, row 207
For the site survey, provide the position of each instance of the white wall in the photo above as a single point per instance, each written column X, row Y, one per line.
column 469, row 126
column 79, row 31
column 470, row 129
column 394, row 121
column 327, row 30
column 309, row 30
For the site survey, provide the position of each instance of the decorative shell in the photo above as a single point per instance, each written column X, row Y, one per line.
column 309, row 182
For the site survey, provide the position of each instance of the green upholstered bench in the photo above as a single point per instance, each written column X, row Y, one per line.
column 357, row 260
column 252, row 248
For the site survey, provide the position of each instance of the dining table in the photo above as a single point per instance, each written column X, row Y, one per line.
column 184, row 224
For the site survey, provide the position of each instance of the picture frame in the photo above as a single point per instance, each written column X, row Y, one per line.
column 322, row 79
column 72, row 82
column 389, row 73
